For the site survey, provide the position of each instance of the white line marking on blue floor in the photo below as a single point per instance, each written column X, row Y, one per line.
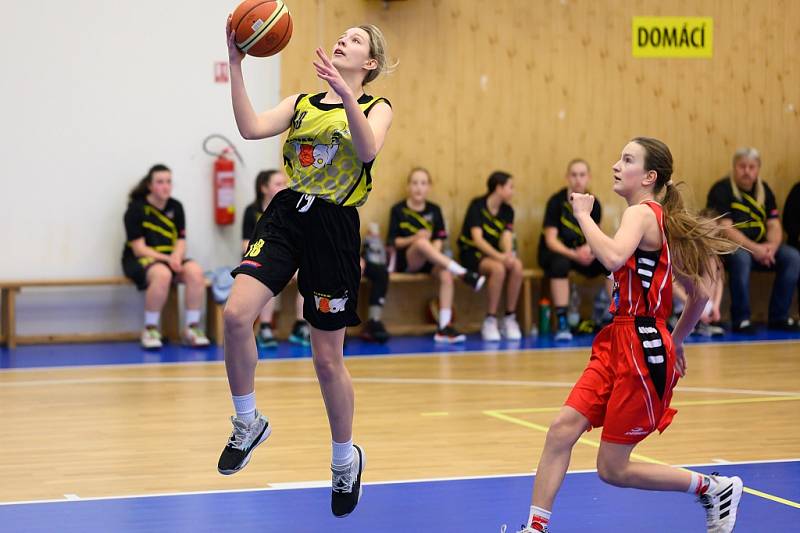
column 327, row 483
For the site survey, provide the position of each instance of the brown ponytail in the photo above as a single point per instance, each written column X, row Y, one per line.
column 695, row 241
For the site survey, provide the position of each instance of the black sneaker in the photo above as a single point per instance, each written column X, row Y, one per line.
column 449, row 335
column 375, row 331
column 242, row 442
column 788, row 325
column 346, row 484
column 744, row 326
column 474, row 280
column 300, row 333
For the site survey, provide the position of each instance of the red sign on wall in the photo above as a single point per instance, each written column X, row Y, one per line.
column 221, row 72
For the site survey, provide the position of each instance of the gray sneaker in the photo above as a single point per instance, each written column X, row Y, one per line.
column 346, row 484
column 242, row 442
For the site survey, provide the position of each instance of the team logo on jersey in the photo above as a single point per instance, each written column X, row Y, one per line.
column 326, row 304
column 319, row 155
column 637, row 431
column 297, row 121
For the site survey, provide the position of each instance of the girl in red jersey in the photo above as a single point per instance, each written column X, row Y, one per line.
column 635, row 362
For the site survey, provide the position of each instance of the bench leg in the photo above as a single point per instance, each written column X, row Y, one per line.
column 527, row 306
column 214, row 324
column 170, row 326
column 9, row 324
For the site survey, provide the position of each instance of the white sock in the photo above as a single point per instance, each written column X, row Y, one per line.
column 192, row 317
column 456, row 269
column 538, row 514
column 152, row 318
column 245, row 407
column 342, row 453
column 375, row 312
column 701, row 483
column 445, row 316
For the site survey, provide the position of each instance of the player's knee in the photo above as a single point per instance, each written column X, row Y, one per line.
column 516, row 268
column 446, row 277
column 563, row 432
column 236, row 317
column 497, row 271
column 159, row 276
column 327, row 366
column 611, row 473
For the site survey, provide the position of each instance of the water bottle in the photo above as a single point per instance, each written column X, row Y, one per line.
column 600, row 307
column 545, row 312
column 573, row 312
column 374, row 249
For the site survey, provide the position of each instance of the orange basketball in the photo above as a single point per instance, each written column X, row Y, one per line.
column 263, row 27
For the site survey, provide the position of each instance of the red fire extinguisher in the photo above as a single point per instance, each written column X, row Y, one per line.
column 224, row 182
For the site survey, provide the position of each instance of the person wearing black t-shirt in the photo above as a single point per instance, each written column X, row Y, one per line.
column 562, row 246
column 417, row 233
column 750, row 218
column 486, row 245
column 268, row 184
column 155, row 254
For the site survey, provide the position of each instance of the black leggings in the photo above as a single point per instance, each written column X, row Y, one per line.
column 379, row 276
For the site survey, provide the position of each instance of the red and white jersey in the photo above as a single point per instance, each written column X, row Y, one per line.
column 643, row 285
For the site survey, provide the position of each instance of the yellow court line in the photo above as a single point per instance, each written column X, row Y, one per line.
column 500, row 415
column 686, row 403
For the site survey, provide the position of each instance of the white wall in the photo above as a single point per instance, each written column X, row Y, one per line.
column 93, row 93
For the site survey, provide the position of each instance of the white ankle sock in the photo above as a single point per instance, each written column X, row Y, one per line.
column 445, row 316
column 245, row 407
column 342, row 452
column 152, row 318
column 192, row 317
column 701, row 484
column 456, row 269
column 537, row 514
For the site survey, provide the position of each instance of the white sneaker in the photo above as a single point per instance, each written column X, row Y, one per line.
column 563, row 335
column 489, row 331
column 722, row 504
column 511, row 329
column 195, row 336
column 151, row 339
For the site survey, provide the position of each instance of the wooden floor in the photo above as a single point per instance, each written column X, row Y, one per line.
column 102, row 431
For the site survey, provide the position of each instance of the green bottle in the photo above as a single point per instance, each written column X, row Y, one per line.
column 545, row 313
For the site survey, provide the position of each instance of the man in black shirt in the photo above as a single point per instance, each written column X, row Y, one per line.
column 750, row 218
column 562, row 246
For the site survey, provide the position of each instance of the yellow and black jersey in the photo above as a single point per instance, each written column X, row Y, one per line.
column 558, row 214
column 405, row 222
column 492, row 226
column 161, row 229
column 319, row 156
column 748, row 215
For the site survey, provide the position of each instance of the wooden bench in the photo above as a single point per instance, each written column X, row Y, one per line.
column 395, row 326
column 8, row 293
column 170, row 325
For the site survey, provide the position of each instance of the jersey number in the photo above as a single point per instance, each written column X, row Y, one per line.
column 255, row 249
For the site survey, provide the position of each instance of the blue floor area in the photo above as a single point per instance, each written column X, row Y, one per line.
column 49, row 355
column 463, row 506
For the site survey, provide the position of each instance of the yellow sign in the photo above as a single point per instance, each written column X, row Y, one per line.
column 673, row 36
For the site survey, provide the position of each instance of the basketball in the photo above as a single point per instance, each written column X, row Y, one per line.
column 263, row 27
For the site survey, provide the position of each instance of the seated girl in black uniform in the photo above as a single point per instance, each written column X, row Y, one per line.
column 417, row 233
column 562, row 246
column 268, row 184
column 155, row 255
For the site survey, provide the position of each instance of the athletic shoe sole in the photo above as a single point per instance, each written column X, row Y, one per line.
column 267, row 432
column 361, row 467
column 444, row 339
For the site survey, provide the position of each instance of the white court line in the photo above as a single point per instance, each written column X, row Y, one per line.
column 327, row 483
column 370, row 380
column 411, row 355
column 72, row 497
